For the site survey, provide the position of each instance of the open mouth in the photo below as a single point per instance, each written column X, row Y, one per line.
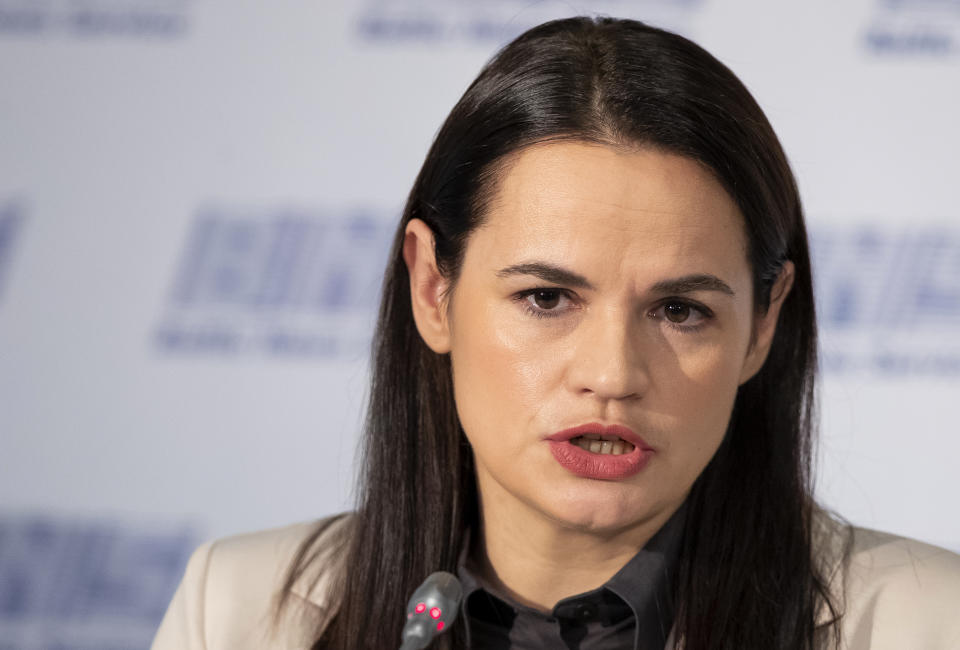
column 610, row 452
column 597, row 444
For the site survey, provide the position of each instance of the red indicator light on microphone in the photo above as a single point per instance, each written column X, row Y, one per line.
column 439, row 625
column 420, row 608
column 435, row 612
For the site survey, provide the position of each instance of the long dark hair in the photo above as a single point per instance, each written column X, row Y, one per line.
column 747, row 577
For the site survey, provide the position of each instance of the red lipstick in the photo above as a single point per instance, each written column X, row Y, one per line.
column 606, row 467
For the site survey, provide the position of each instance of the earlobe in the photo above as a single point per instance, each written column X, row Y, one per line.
column 764, row 325
column 427, row 286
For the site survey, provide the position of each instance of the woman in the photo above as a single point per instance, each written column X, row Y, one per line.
column 592, row 391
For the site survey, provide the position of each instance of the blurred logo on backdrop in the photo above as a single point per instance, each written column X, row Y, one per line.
column 277, row 281
column 290, row 282
column 496, row 21
column 11, row 217
column 78, row 585
column 94, row 18
column 888, row 300
column 913, row 27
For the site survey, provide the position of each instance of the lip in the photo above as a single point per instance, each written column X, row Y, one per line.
column 605, row 467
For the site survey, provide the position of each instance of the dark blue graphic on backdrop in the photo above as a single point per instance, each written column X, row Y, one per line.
column 277, row 281
column 889, row 299
column 494, row 21
column 914, row 28
column 76, row 586
column 300, row 283
column 11, row 218
column 94, row 18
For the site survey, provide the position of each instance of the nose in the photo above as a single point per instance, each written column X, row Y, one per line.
column 610, row 360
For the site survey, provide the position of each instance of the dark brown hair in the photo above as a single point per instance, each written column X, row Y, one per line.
column 748, row 578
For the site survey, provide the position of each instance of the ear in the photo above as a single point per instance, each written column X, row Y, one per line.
column 765, row 325
column 427, row 286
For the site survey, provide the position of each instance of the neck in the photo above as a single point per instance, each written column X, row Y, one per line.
column 537, row 561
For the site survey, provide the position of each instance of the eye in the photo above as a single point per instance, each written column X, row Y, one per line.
column 542, row 301
column 676, row 312
column 682, row 315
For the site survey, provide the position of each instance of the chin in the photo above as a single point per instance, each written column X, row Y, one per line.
column 598, row 513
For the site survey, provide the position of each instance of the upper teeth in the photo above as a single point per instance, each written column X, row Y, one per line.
column 598, row 444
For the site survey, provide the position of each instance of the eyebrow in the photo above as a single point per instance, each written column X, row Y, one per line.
column 690, row 283
column 548, row 272
column 560, row 275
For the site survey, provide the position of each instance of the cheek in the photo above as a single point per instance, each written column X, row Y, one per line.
column 705, row 368
column 501, row 378
column 695, row 387
column 708, row 362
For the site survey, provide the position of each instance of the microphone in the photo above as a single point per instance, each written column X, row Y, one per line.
column 432, row 608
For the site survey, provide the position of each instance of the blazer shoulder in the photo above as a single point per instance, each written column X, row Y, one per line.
column 897, row 592
column 229, row 594
column 921, row 576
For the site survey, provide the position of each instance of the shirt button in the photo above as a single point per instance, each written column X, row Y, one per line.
column 586, row 612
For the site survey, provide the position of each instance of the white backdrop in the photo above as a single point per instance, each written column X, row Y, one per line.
column 196, row 198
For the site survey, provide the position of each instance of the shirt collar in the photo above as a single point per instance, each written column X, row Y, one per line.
column 645, row 583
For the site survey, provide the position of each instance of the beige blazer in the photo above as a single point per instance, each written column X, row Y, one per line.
column 899, row 593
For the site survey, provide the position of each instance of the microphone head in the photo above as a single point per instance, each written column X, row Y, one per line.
column 432, row 608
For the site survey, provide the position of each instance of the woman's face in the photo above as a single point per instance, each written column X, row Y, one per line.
column 652, row 328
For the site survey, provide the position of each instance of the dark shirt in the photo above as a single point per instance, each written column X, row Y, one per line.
column 633, row 609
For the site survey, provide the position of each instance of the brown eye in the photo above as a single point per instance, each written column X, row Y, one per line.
column 677, row 312
column 548, row 303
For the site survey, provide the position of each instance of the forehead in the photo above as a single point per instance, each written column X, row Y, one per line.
column 631, row 210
